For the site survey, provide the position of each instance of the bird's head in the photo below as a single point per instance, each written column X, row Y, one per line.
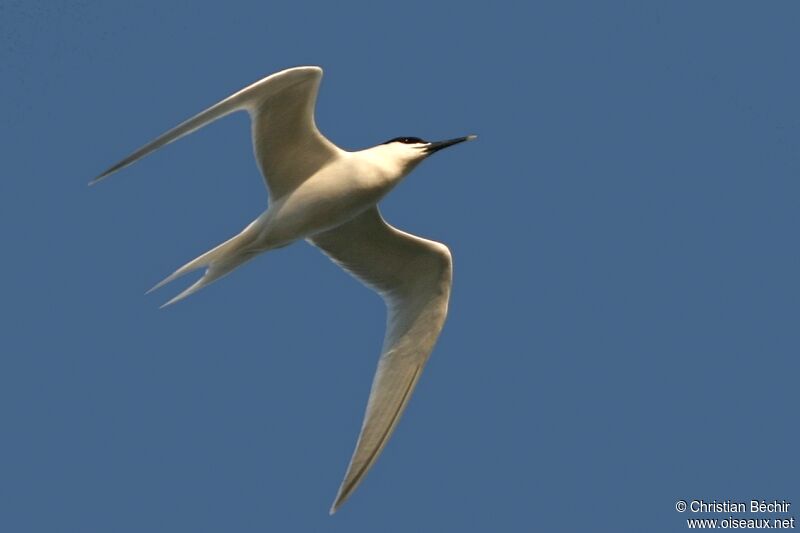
column 409, row 151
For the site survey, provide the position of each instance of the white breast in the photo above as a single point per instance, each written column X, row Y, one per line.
column 337, row 193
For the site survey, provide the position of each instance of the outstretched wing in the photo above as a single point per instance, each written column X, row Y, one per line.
column 413, row 275
column 288, row 147
column 287, row 143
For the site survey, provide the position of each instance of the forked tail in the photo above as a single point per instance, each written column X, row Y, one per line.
column 218, row 262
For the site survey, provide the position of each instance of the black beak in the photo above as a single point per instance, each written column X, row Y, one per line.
column 435, row 147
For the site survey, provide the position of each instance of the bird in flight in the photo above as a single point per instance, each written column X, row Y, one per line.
column 329, row 196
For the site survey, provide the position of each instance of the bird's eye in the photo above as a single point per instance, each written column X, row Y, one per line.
column 406, row 140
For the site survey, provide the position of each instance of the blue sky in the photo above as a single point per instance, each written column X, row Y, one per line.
column 623, row 329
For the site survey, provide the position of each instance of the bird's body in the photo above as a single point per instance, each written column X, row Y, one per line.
column 328, row 196
column 336, row 193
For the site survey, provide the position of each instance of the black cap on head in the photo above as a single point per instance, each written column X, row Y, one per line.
column 406, row 140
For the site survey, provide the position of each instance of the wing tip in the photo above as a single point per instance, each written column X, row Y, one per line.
column 98, row 179
column 341, row 497
column 110, row 170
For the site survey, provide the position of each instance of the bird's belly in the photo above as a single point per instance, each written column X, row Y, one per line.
column 316, row 206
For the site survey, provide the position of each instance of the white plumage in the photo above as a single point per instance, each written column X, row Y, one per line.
column 329, row 197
